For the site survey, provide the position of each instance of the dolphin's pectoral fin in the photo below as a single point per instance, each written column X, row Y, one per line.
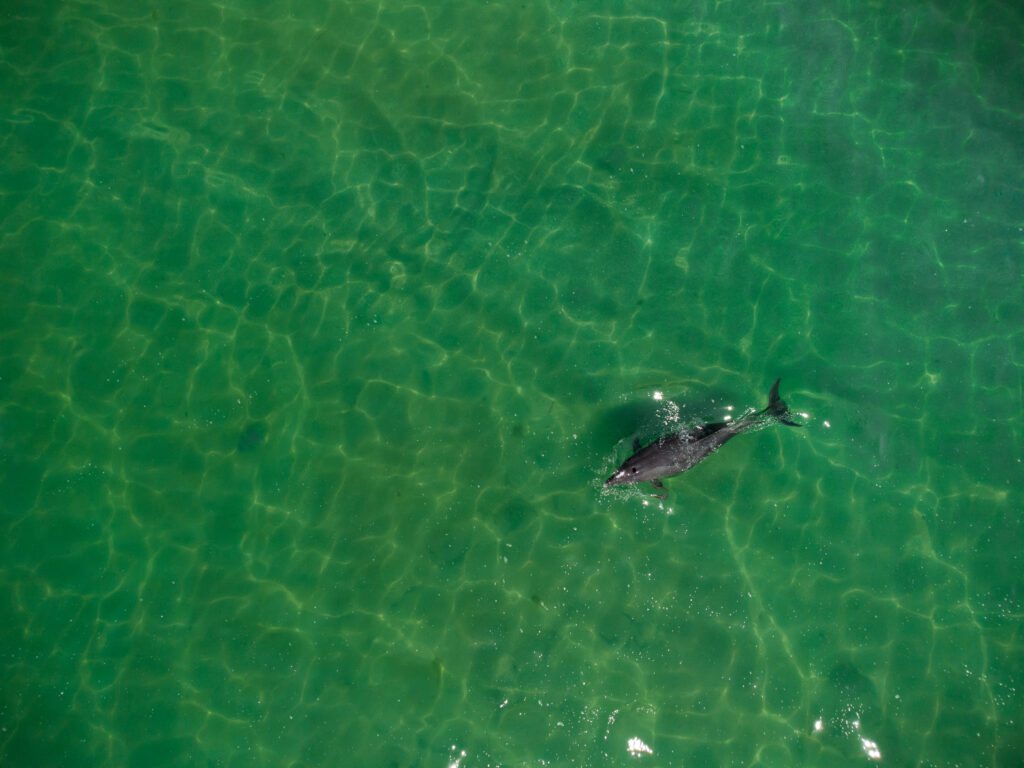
column 790, row 423
column 636, row 445
column 661, row 487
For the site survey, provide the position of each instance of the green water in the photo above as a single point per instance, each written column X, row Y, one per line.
column 321, row 324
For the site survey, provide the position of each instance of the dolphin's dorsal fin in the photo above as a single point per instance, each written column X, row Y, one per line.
column 702, row 431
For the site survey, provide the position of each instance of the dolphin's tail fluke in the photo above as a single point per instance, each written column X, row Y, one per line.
column 777, row 407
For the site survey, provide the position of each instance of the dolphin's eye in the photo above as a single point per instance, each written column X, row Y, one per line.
column 635, row 470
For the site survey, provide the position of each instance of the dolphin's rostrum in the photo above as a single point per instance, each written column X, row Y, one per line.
column 677, row 452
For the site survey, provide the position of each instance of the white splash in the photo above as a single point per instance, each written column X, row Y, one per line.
column 637, row 748
column 459, row 759
column 871, row 749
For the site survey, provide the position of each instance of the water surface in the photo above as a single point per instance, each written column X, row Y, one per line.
column 322, row 323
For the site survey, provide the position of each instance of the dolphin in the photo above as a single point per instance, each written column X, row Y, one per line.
column 679, row 451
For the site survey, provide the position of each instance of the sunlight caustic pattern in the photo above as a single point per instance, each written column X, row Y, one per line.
column 323, row 323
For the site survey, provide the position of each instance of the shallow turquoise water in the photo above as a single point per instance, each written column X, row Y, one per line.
column 322, row 324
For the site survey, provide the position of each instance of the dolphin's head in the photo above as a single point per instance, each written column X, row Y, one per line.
column 627, row 473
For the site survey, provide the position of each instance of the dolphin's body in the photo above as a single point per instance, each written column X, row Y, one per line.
column 677, row 452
